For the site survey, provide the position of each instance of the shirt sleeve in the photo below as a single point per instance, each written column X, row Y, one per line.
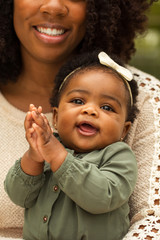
column 103, row 187
column 22, row 189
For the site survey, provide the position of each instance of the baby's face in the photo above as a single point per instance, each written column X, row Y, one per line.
column 92, row 111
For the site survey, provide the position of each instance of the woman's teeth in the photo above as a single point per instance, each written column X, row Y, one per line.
column 50, row 31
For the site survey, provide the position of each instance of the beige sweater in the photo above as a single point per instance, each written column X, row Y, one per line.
column 144, row 138
column 12, row 146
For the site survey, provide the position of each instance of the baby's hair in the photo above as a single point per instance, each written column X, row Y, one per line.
column 86, row 62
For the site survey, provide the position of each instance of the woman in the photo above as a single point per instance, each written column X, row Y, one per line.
column 36, row 38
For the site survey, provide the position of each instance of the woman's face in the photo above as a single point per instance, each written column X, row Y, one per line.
column 49, row 30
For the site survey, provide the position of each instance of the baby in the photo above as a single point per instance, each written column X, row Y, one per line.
column 75, row 184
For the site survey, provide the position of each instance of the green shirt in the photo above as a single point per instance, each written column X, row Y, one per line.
column 85, row 199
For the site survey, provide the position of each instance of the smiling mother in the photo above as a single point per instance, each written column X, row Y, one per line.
column 36, row 39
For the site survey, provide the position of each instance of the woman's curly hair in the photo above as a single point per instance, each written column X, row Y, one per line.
column 89, row 61
column 111, row 25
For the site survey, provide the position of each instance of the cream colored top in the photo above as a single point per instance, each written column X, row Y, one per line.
column 144, row 138
column 12, row 145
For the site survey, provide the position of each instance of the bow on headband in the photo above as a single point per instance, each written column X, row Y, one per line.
column 124, row 72
column 107, row 61
column 104, row 59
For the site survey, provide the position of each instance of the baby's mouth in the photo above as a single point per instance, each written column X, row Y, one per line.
column 87, row 129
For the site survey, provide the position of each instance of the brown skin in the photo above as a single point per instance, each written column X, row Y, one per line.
column 92, row 111
column 97, row 102
column 43, row 145
column 43, row 55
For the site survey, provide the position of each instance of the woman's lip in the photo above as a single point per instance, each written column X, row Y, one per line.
column 51, row 34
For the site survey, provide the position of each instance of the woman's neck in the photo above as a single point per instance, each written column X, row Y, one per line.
column 34, row 85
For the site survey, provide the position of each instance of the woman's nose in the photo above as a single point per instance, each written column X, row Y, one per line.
column 54, row 7
column 90, row 110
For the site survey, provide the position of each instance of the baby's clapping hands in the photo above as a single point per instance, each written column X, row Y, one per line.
column 43, row 145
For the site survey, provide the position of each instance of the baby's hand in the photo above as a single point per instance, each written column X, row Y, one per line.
column 41, row 137
column 40, row 119
column 42, row 128
column 38, row 130
column 31, row 135
column 33, row 108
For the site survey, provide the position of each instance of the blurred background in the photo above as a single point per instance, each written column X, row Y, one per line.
column 147, row 56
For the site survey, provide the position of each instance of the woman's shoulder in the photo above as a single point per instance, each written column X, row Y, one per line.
column 145, row 80
column 148, row 88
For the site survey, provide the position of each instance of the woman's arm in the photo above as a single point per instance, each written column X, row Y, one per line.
column 144, row 138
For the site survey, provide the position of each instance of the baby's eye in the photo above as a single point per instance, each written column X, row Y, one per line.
column 77, row 101
column 107, row 108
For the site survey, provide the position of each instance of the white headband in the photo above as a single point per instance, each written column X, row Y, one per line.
column 124, row 72
column 107, row 61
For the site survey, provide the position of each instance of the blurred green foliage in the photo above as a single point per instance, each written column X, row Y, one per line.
column 147, row 57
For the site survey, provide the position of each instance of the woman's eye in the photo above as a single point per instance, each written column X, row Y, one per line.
column 78, row 101
column 107, row 108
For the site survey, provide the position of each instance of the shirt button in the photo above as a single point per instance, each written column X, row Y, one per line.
column 55, row 188
column 45, row 219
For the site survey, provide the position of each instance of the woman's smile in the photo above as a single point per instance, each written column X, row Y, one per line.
column 51, row 33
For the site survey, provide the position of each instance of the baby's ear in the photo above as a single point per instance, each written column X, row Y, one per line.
column 126, row 129
column 55, row 117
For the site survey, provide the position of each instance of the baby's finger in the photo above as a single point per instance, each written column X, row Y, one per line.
column 42, row 135
column 38, row 119
column 28, row 121
column 29, row 133
column 33, row 108
column 48, row 128
column 31, row 137
column 39, row 109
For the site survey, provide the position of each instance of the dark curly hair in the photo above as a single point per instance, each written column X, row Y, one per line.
column 111, row 25
column 86, row 62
